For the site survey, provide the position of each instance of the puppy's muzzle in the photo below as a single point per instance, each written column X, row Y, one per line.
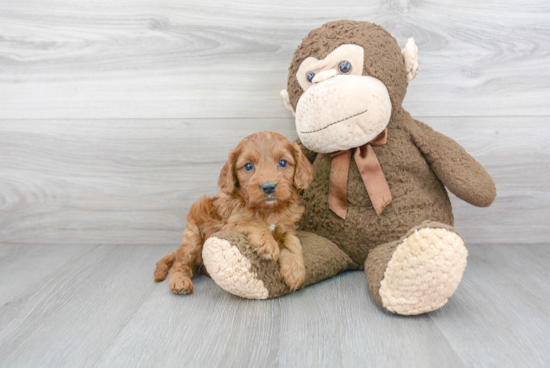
column 269, row 187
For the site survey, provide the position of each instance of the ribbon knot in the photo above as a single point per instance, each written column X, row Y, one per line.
column 371, row 173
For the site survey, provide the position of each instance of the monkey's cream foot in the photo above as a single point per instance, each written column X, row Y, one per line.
column 418, row 273
column 230, row 268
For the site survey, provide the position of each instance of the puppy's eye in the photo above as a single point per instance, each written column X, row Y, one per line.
column 310, row 76
column 344, row 67
column 249, row 166
column 283, row 163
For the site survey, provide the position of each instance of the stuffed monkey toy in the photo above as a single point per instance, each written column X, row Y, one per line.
column 378, row 200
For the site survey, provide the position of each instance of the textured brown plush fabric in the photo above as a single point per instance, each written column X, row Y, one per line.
column 375, row 267
column 413, row 160
column 418, row 195
column 378, row 259
column 456, row 169
column 322, row 259
column 417, row 161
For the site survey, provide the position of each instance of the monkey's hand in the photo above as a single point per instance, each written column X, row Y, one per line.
column 457, row 170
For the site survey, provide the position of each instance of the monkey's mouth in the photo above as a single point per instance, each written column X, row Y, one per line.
column 336, row 122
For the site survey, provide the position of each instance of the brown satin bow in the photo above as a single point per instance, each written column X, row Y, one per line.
column 371, row 172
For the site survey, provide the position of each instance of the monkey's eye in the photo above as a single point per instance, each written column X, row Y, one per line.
column 283, row 163
column 310, row 76
column 249, row 166
column 345, row 67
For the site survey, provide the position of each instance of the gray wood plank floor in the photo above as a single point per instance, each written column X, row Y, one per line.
column 96, row 305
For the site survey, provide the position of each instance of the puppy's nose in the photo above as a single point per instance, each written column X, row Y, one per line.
column 268, row 187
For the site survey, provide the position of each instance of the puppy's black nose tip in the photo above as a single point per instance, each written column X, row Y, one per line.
column 268, row 187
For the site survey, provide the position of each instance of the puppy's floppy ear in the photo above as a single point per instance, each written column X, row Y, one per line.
column 303, row 172
column 228, row 177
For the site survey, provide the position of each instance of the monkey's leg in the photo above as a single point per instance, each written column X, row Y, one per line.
column 187, row 261
column 418, row 273
column 237, row 268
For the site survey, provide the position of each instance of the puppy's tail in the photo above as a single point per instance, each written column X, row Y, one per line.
column 163, row 266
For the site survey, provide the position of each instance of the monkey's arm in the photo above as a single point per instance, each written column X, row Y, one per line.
column 307, row 152
column 457, row 170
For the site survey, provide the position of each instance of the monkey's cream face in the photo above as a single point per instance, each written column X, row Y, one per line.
column 340, row 108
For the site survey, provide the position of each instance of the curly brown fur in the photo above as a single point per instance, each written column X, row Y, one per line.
column 242, row 206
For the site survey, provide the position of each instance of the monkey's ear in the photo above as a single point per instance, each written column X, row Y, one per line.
column 286, row 101
column 410, row 54
column 303, row 171
column 228, row 177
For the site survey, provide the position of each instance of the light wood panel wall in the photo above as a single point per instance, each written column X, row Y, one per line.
column 116, row 116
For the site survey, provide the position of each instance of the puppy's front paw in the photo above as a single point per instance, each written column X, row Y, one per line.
column 293, row 269
column 266, row 247
column 180, row 284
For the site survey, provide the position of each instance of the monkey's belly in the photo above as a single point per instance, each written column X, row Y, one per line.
column 363, row 230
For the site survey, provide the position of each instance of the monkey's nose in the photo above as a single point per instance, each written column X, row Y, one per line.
column 324, row 75
column 268, row 187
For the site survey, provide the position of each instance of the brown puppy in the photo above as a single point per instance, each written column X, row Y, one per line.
column 260, row 197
